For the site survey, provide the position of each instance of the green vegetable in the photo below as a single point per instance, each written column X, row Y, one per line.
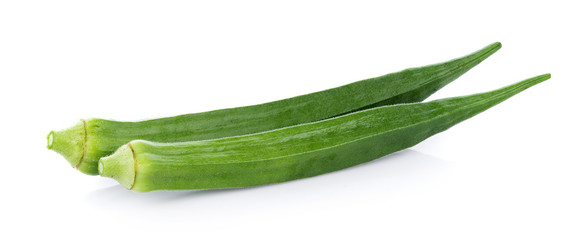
column 83, row 144
column 294, row 152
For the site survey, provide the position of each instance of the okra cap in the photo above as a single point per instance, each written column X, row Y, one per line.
column 119, row 166
column 69, row 142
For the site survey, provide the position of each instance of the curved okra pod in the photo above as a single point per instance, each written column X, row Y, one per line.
column 294, row 152
column 83, row 144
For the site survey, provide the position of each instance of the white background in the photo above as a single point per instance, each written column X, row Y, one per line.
column 508, row 173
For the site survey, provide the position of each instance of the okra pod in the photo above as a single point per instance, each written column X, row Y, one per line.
column 294, row 152
column 89, row 140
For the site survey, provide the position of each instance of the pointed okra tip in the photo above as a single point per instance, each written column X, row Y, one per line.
column 492, row 48
column 489, row 49
column 484, row 53
column 540, row 78
column 497, row 45
column 522, row 85
column 69, row 142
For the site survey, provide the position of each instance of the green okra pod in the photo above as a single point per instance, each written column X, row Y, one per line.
column 294, row 152
column 89, row 140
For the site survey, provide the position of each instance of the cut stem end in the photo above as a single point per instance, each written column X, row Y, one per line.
column 50, row 139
